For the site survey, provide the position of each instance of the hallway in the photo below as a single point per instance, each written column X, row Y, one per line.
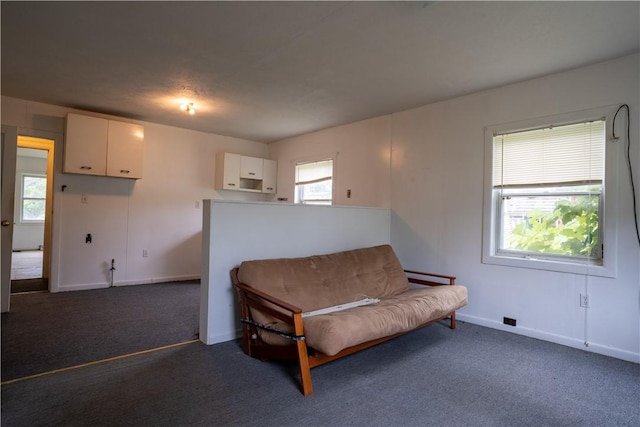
column 26, row 265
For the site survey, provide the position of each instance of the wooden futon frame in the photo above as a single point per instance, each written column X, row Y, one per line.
column 308, row 358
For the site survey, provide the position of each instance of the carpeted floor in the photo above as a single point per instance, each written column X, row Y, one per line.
column 45, row 331
column 472, row 376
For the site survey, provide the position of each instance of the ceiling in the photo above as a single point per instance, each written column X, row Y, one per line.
column 265, row 71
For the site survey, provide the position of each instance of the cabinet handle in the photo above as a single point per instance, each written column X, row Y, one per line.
column 252, row 173
column 85, row 167
column 269, row 188
column 124, row 171
column 231, row 184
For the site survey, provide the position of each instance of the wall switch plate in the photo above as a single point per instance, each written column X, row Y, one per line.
column 83, row 199
column 145, row 253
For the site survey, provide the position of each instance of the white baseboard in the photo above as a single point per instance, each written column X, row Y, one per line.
column 557, row 339
column 220, row 338
column 84, row 287
column 158, row 280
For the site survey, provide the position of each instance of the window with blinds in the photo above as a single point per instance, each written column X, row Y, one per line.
column 314, row 182
column 552, row 156
column 548, row 186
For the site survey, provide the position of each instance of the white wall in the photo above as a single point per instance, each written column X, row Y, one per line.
column 436, row 197
column 157, row 213
column 234, row 232
column 362, row 163
column 437, row 188
column 27, row 235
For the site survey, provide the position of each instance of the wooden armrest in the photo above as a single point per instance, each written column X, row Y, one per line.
column 271, row 305
column 273, row 300
column 450, row 279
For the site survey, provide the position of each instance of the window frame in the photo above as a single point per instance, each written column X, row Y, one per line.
column 315, row 159
column 607, row 267
column 21, row 218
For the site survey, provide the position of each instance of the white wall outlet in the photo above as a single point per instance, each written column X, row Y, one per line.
column 584, row 300
column 145, row 253
column 197, row 204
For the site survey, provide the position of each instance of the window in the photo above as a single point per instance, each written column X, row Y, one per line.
column 34, row 194
column 545, row 199
column 314, row 183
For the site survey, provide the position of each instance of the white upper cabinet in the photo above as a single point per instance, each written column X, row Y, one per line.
column 269, row 176
column 251, row 167
column 85, row 148
column 95, row 146
column 125, row 149
column 243, row 173
column 227, row 171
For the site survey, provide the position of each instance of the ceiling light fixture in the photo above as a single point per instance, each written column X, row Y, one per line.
column 188, row 108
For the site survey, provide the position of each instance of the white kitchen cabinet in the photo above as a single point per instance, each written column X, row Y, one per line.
column 227, row 171
column 269, row 176
column 244, row 173
column 85, row 147
column 251, row 167
column 125, row 149
column 95, row 146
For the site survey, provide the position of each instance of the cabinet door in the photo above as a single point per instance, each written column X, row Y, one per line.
column 125, row 150
column 227, row 171
column 250, row 167
column 270, row 176
column 85, row 145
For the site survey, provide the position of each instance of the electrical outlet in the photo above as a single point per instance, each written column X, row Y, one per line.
column 197, row 204
column 584, row 300
column 145, row 254
column 509, row 321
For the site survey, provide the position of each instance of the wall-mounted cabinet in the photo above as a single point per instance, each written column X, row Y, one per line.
column 243, row 173
column 95, row 146
column 269, row 176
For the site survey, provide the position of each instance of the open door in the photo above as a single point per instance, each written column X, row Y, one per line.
column 8, row 174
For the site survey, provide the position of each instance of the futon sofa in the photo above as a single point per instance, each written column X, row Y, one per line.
column 318, row 308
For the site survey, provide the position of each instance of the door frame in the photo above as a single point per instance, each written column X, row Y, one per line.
column 48, row 145
column 9, row 153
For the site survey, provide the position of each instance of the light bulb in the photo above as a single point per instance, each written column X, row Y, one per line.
column 188, row 108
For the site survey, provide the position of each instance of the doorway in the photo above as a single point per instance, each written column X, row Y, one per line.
column 32, row 215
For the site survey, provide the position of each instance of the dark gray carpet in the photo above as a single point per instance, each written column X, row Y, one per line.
column 46, row 331
column 472, row 376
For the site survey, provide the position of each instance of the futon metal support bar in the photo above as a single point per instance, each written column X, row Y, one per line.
column 273, row 330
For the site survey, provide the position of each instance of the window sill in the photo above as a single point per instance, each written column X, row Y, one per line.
column 582, row 268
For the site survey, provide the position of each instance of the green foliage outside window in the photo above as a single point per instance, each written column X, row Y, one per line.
column 571, row 229
column 34, row 193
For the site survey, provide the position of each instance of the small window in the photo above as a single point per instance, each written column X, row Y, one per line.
column 314, row 183
column 34, row 196
column 545, row 186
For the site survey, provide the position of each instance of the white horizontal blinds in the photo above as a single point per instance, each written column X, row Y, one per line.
column 559, row 155
column 310, row 173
